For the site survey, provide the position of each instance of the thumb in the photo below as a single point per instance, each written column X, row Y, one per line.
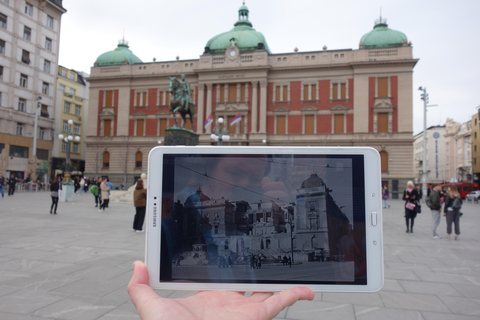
column 138, row 288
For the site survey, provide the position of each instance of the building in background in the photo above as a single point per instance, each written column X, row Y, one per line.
column 463, row 140
column 476, row 146
column 347, row 97
column 436, row 156
column 29, row 42
column 71, row 104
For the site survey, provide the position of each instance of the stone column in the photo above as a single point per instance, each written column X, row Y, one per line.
column 263, row 106
column 200, row 108
column 254, row 107
column 209, row 105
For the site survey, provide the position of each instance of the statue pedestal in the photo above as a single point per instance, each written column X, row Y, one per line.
column 176, row 136
column 68, row 191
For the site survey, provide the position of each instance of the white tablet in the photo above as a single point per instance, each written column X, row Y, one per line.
column 264, row 218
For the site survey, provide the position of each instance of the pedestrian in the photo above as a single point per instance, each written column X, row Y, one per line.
column 2, row 185
column 453, row 204
column 82, row 186
column 94, row 191
column 410, row 196
column 419, row 192
column 385, row 197
column 435, row 204
column 104, row 189
column 140, row 203
column 11, row 185
column 54, row 194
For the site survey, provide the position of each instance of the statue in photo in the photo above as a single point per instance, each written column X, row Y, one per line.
column 181, row 100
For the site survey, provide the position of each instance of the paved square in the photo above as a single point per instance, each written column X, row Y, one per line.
column 76, row 265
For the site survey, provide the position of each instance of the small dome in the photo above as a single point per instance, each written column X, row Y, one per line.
column 383, row 37
column 313, row 181
column 242, row 35
column 121, row 55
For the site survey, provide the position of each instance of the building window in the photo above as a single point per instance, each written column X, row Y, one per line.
column 232, row 92
column 46, row 66
column 107, row 128
column 22, row 105
column 382, row 87
column 27, row 33
column 3, row 21
column 281, row 124
column 71, row 76
column 78, row 109
column 61, row 87
column 339, row 91
column 41, row 135
column 63, row 73
column 28, row 9
column 45, row 88
column 2, row 46
column 281, row 93
column 141, row 99
column 339, row 120
column 382, row 122
column 73, row 91
column 18, row 152
column 25, row 57
column 1, row 72
column 42, row 154
column 384, row 160
column 48, row 44
column 140, row 123
column 106, row 159
column 0, row 100
column 138, row 160
column 76, row 128
column 109, row 98
column 162, row 126
column 65, row 146
column 65, row 126
column 49, row 22
column 309, row 124
column 75, row 147
column 66, row 107
column 20, row 129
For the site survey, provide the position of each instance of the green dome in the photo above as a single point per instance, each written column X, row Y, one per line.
column 245, row 37
column 383, row 37
column 121, row 55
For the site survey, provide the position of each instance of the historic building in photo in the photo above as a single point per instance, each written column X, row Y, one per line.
column 351, row 97
column 29, row 42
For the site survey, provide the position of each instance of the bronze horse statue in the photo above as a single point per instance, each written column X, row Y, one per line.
column 181, row 101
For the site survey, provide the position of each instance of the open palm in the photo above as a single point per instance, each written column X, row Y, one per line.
column 209, row 304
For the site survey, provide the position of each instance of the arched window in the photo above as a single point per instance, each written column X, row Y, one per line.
column 384, row 160
column 106, row 159
column 138, row 160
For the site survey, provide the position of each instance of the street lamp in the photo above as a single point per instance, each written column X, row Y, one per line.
column 220, row 134
column 68, row 140
column 424, row 97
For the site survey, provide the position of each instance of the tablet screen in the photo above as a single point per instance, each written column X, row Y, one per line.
column 263, row 218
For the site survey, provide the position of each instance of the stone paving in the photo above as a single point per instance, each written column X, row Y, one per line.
column 76, row 265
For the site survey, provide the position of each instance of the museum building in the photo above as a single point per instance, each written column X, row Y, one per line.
column 348, row 97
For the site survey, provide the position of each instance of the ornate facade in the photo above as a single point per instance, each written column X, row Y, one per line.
column 352, row 97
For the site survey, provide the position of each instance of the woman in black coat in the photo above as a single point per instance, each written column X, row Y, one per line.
column 410, row 195
column 54, row 194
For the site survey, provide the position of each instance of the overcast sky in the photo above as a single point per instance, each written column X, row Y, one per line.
column 444, row 35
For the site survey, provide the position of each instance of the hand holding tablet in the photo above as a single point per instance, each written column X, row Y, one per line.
column 264, row 219
column 209, row 304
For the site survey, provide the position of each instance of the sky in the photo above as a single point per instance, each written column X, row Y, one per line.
column 444, row 36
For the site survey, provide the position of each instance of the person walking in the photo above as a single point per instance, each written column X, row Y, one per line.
column 54, row 194
column 11, row 185
column 453, row 204
column 435, row 206
column 2, row 185
column 94, row 191
column 410, row 196
column 385, row 197
column 140, row 203
column 104, row 189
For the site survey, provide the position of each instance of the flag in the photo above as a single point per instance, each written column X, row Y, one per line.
column 237, row 118
column 208, row 122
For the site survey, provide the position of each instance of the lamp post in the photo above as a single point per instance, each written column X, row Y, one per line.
column 424, row 97
column 68, row 139
column 35, row 135
column 220, row 133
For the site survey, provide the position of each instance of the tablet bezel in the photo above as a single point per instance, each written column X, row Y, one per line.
column 373, row 217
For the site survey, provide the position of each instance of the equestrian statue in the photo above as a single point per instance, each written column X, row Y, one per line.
column 181, row 100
